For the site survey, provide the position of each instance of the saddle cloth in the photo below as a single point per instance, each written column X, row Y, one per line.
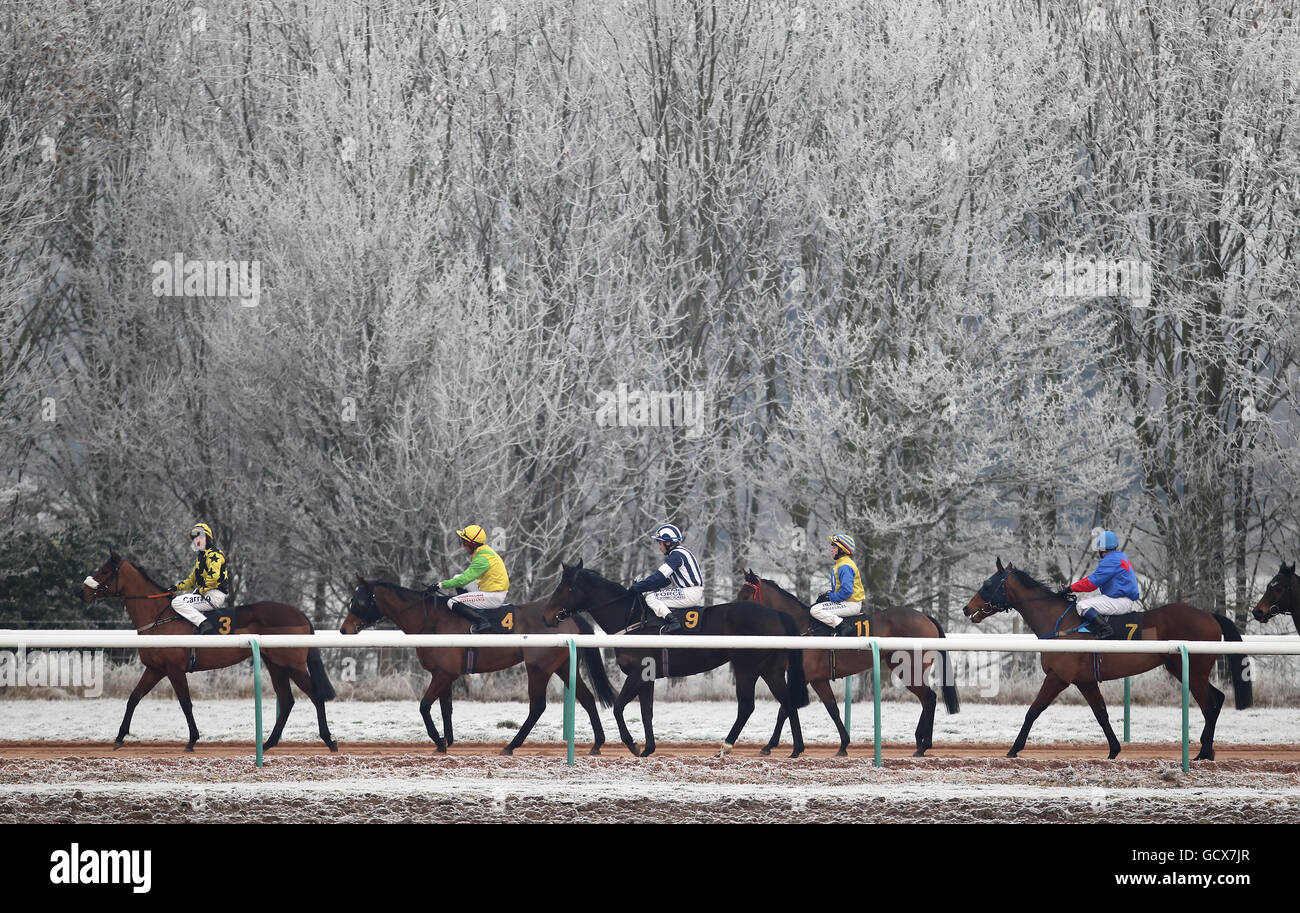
column 1125, row 627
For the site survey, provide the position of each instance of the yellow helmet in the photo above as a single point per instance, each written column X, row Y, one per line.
column 201, row 528
column 473, row 533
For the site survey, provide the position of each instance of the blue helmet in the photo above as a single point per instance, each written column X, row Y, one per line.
column 668, row 533
column 1106, row 541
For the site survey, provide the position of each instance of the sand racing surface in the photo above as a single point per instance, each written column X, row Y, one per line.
column 64, row 782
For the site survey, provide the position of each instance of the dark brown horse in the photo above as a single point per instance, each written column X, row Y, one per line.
column 1050, row 615
column 610, row 604
column 1281, row 596
column 823, row 666
column 150, row 609
column 416, row 613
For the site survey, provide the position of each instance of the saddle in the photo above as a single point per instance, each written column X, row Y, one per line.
column 1124, row 627
column 223, row 619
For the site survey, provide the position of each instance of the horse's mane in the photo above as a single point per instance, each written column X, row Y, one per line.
column 590, row 576
column 150, row 577
column 784, row 592
column 1027, row 581
column 402, row 591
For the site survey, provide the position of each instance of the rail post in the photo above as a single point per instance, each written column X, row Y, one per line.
column 848, row 706
column 570, row 691
column 1127, row 697
column 875, row 692
column 257, row 697
column 1182, row 648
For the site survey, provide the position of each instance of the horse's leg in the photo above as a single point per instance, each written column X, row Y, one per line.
column 181, row 685
column 1208, row 697
column 776, row 733
column 647, row 696
column 780, row 688
column 537, row 679
column 588, row 702
column 150, row 678
column 1092, row 693
column 827, row 695
column 1051, row 687
column 445, row 703
column 439, row 682
column 284, row 703
column 925, row 725
column 630, row 687
column 745, row 681
column 302, row 679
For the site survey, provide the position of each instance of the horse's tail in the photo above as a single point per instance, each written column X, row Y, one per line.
column 949, row 680
column 1241, row 687
column 595, row 666
column 796, row 680
column 321, row 689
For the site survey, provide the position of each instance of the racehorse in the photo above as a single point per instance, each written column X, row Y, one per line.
column 1050, row 615
column 610, row 604
column 1281, row 595
column 119, row 577
column 822, row 666
column 415, row 613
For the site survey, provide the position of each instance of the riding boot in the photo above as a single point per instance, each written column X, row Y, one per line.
column 1097, row 623
column 205, row 627
column 672, row 624
column 845, row 629
column 477, row 623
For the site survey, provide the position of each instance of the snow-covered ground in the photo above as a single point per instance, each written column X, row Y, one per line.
column 673, row 720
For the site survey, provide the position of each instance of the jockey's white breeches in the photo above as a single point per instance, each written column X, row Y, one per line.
column 830, row 613
column 191, row 606
column 661, row 602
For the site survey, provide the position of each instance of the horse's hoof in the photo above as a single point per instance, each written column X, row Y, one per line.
column 1012, row 753
column 796, row 752
column 842, row 753
column 189, row 748
column 635, row 748
column 595, row 750
column 725, row 749
column 1204, row 757
column 765, row 750
column 440, row 748
column 117, row 744
column 507, row 750
column 647, row 751
column 919, row 753
column 333, row 746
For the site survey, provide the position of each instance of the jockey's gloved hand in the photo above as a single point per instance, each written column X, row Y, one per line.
column 1064, row 592
column 823, row 597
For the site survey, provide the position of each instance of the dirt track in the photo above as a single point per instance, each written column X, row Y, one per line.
column 39, row 748
column 63, row 782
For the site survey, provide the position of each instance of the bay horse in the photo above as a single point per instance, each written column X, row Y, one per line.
column 610, row 605
column 1282, row 595
column 415, row 613
column 822, row 666
column 1050, row 615
column 141, row 595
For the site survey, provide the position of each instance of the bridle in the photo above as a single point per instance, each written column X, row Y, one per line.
column 755, row 585
column 101, row 590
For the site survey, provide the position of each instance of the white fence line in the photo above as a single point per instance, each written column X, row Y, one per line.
column 1001, row 643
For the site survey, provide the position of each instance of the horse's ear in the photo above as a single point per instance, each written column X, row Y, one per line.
column 360, row 580
column 1288, row 568
column 999, row 559
column 578, row 566
column 114, row 558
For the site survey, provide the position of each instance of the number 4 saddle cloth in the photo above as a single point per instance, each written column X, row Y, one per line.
column 502, row 618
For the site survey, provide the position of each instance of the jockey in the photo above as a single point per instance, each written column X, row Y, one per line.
column 209, row 581
column 846, row 595
column 676, row 584
column 1113, row 587
column 485, row 577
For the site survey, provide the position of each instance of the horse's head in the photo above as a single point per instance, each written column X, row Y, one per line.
column 104, row 582
column 752, row 589
column 562, row 602
column 1280, row 596
column 991, row 598
column 363, row 610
